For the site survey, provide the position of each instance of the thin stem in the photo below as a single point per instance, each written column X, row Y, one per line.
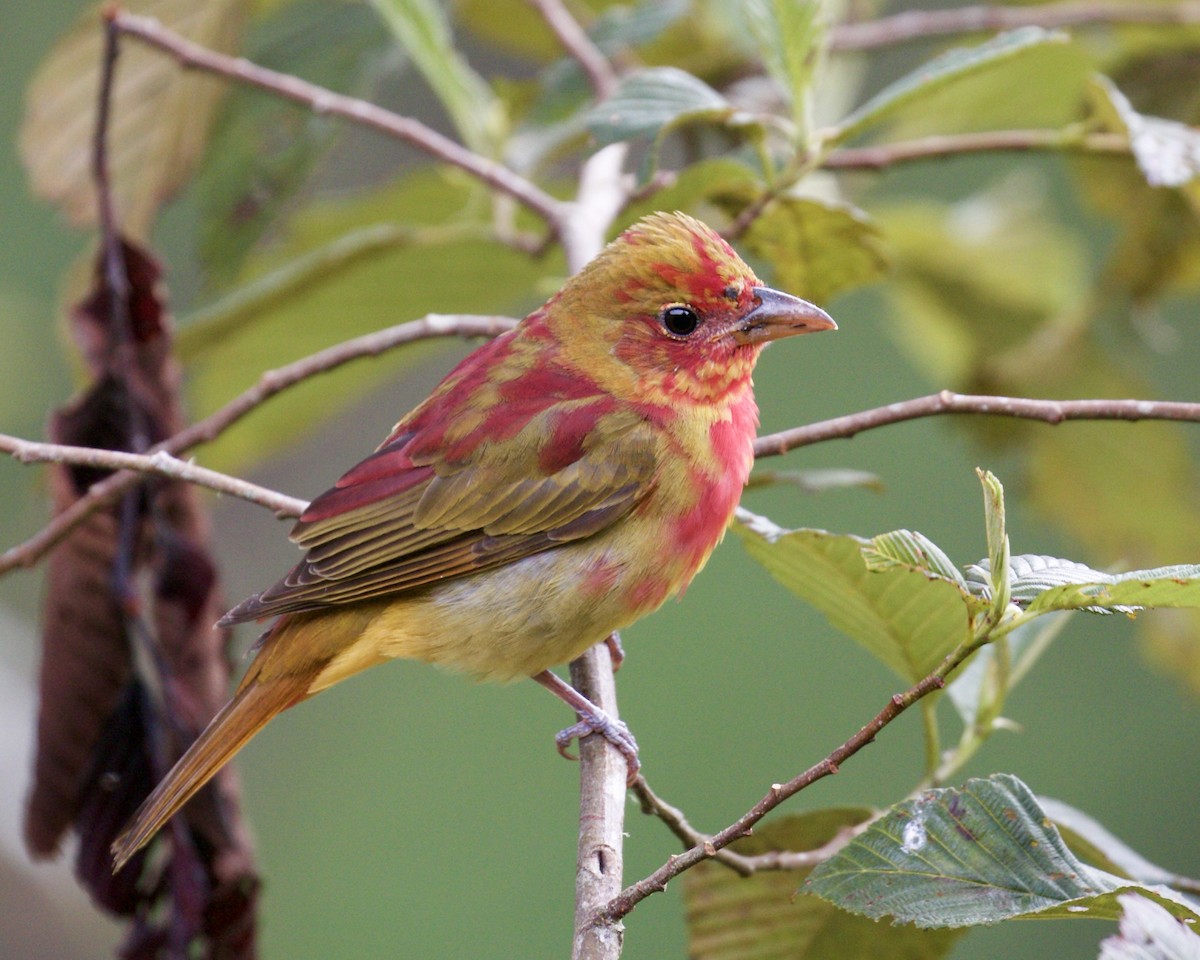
column 991, row 141
column 927, row 24
column 190, row 55
column 932, row 738
column 947, row 402
column 160, row 464
column 579, row 45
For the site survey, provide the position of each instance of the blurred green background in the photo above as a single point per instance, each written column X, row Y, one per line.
column 409, row 813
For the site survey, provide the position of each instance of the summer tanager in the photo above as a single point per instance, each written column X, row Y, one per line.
column 564, row 480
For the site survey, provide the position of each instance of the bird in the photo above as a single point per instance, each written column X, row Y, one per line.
column 564, row 480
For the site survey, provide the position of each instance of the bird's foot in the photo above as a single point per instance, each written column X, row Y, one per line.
column 614, row 731
column 592, row 719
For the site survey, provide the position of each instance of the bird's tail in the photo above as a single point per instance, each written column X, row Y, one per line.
column 229, row 731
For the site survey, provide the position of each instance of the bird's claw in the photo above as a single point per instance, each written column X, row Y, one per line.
column 614, row 731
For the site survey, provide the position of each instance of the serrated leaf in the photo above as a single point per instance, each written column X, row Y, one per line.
column 1041, row 583
column 160, row 120
column 1148, row 932
column 942, row 71
column 1167, row 152
column 913, row 550
column 906, row 618
column 651, row 100
column 760, row 917
column 1177, row 586
column 262, row 148
column 789, row 34
column 423, row 29
column 817, row 248
column 972, row 855
column 436, row 269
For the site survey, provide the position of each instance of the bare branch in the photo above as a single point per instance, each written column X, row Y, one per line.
column 190, row 55
column 673, row 817
column 935, row 404
column 161, row 464
column 579, row 45
column 951, row 145
column 270, row 383
column 926, row 24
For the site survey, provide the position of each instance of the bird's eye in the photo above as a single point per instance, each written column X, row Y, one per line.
column 680, row 321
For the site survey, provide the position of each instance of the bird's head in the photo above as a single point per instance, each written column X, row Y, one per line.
column 681, row 311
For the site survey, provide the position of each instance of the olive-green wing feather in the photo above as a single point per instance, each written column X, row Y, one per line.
column 405, row 518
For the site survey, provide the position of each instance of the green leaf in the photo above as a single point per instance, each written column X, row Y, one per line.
column 407, row 255
column 160, row 121
column 263, row 148
column 972, row 855
column 648, row 102
column 913, row 550
column 1041, row 583
column 423, row 30
column 817, row 248
column 949, row 68
column 1177, row 586
column 789, row 34
column 905, row 617
column 761, row 918
column 1148, row 932
column 1167, row 152
column 997, row 541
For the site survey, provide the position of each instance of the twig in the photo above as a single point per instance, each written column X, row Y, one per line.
column 579, row 45
column 190, row 55
column 926, row 24
column 1048, row 411
column 654, row 805
column 631, row 896
column 161, row 464
column 930, row 148
column 270, row 383
column 951, row 145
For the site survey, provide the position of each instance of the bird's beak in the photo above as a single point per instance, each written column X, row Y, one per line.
column 778, row 315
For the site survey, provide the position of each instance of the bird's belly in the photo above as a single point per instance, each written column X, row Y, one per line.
column 516, row 620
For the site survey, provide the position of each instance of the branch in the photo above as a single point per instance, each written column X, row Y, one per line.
column 579, row 45
column 1071, row 140
column 925, row 24
column 951, row 145
column 161, row 464
column 190, row 55
column 935, row 404
column 270, row 383
column 656, row 882
column 673, row 817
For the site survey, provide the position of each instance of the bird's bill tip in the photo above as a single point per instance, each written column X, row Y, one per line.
column 778, row 315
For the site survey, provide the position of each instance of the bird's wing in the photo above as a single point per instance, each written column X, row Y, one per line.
column 428, row 506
